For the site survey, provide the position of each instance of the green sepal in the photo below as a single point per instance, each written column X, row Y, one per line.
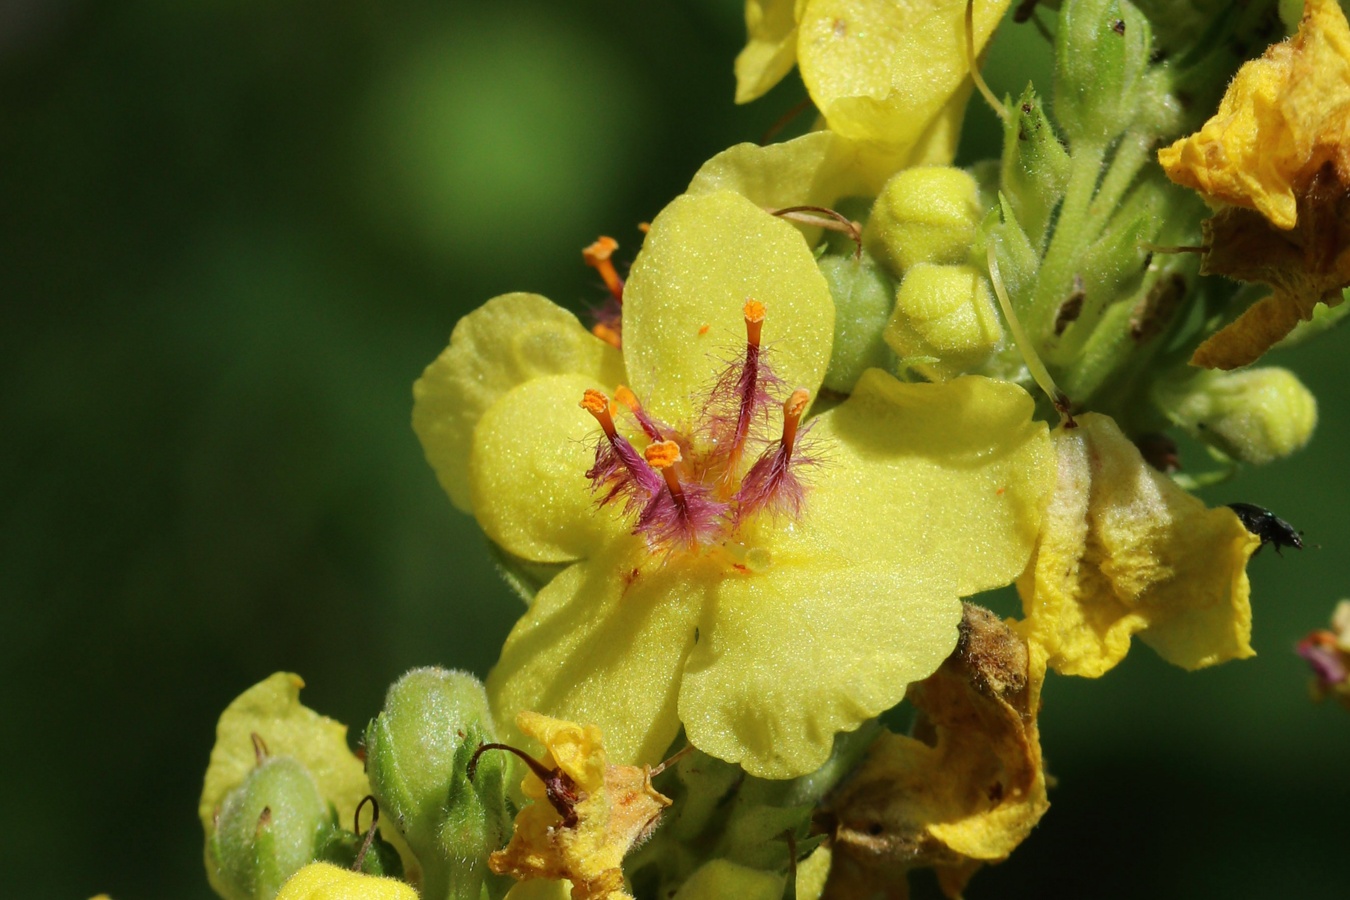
column 1035, row 166
column 863, row 298
column 1102, row 51
column 1106, row 347
column 418, row 751
column 525, row 578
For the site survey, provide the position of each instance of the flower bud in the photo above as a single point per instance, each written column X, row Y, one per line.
column 1254, row 415
column 927, row 214
column 863, row 297
column 1035, row 166
column 417, row 755
column 268, row 828
column 946, row 314
column 1101, row 54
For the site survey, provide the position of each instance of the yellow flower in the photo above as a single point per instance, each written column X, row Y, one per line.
column 585, row 815
column 1275, row 160
column 891, row 77
column 966, row 789
column 772, row 607
column 1126, row 551
column 325, row 881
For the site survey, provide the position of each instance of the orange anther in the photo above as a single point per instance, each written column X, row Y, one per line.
column 644, row 227
column 703, row 329
column 597, row 404
column 594, row 402
column 793, row 407
column 662, row 454
column 597, row 257
column 601, row 250
column 754, row 321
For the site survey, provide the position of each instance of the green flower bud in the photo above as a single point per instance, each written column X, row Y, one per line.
column 1101, row 54
column 947, row 313
column 417, row 756
column 269, row 827
column 927, row 214
column 863, row 298
column 263, row 726
column 1035, row 167
column 1253, row 415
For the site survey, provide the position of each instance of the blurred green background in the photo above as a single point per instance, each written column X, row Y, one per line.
column 231, row 236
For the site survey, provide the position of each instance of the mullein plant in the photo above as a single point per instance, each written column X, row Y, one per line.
column 844, row 388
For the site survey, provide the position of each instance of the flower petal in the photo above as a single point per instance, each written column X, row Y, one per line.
column 885, row 71
column 1282, row 118
column 527, row 472
column 817, row 644
column 604, row 645
column 770, row 48
column 955, row 477
column 1126, row 551
column 507, row 341
column 705, row 255
column 815, row 169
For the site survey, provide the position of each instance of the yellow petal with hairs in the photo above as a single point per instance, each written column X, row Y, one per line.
column 325, row 881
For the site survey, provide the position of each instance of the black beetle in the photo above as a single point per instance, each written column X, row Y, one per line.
column 1270, row 528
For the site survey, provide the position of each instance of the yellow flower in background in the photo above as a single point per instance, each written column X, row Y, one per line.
column 325, row 881
column 1125, row 551
column 585, row 814
column 1275, row 161
column 797, row 588
column 893, row 78
column 966, row 788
